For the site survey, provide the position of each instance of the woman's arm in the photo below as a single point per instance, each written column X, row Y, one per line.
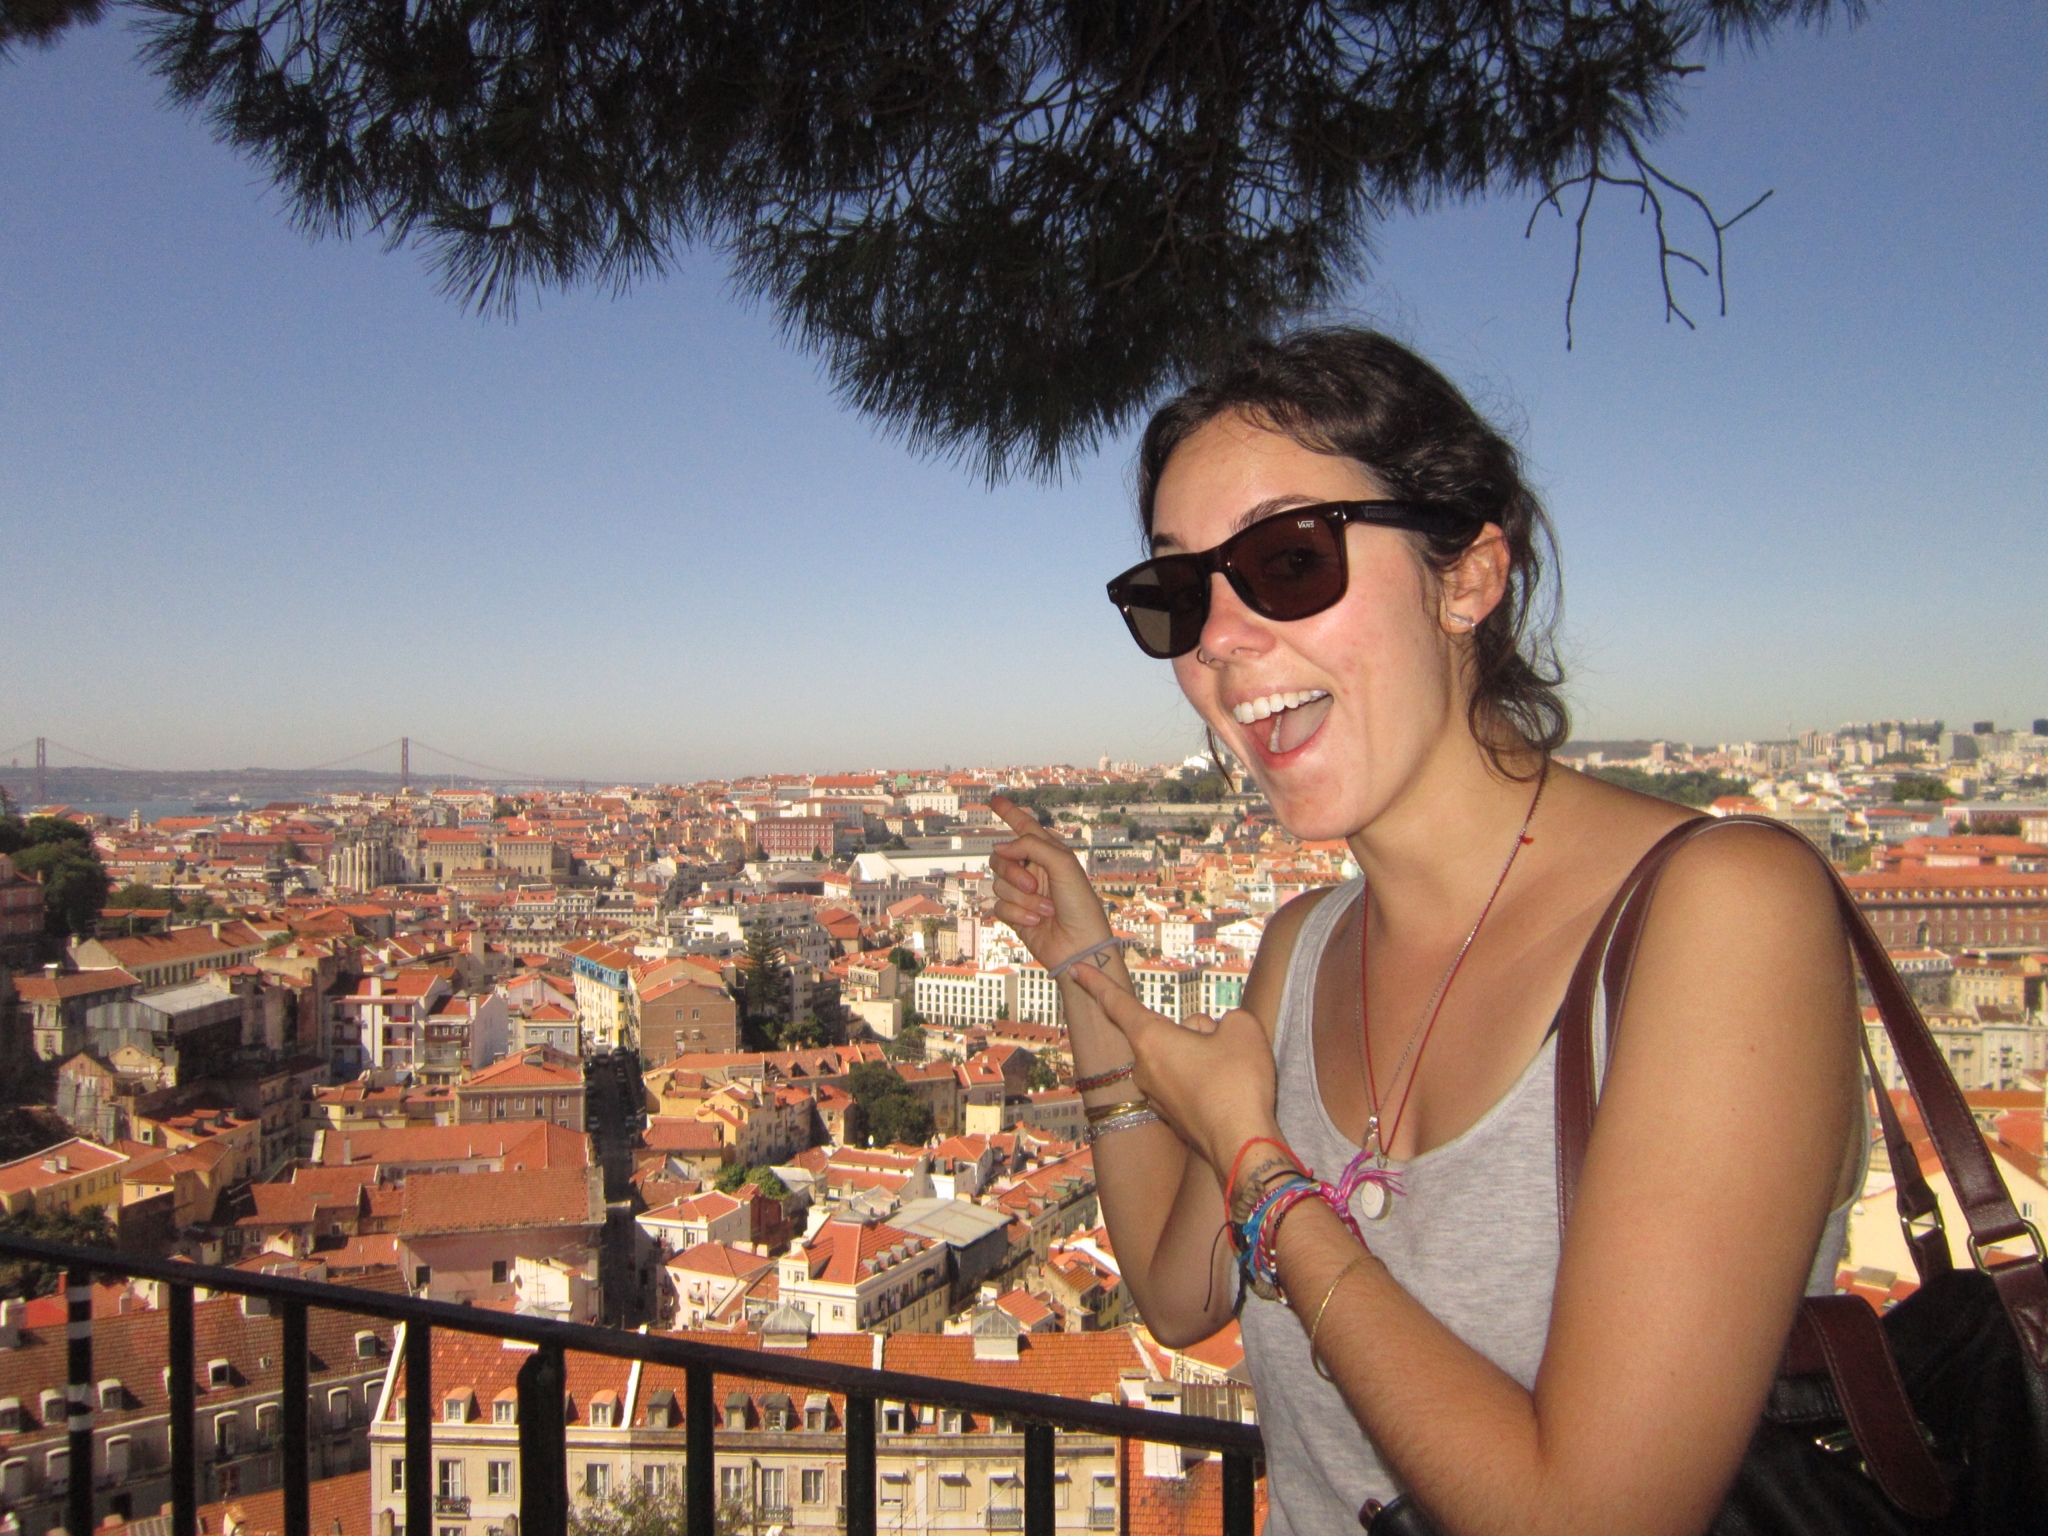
column 1171, row 1252
column 1730, row 1097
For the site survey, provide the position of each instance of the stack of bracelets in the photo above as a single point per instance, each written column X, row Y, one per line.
column 1257, row 1238
column 1108, row 1119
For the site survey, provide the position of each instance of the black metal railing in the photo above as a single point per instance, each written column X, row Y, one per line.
column 542, row 1382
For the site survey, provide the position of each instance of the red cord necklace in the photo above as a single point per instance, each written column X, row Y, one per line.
column 1376, row 1197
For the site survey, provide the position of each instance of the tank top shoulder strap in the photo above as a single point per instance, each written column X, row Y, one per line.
column 1298, row 991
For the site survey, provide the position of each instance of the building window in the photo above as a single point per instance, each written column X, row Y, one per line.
column 497, row 1271
column 952, row 1491
column 771, row 1488
column 814, row 1485
column 448, row 1480
column 266, row 1423
column 398, row 1474
column 498, row 1478
column 892, row 1486
column 655, row 1477
column 732, row 1484
column 224, row 1434
column 422, row 1274
column 57, row 1471
column 892, row 1421
column 117, row 1453
column 505, row 1411
column 14, row 1479
column 339, row 1402
column 597, row 1479
column 455, row 1410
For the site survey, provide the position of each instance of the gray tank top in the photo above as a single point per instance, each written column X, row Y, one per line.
column 1473, row 1237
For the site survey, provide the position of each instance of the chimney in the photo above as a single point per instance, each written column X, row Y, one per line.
column 53, row 969
column 215, row 928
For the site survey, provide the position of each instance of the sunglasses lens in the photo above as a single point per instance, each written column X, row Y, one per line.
column 1289, row 567
column 1165, row 602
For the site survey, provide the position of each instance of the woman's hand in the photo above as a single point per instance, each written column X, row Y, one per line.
column 1212, row 1080
column 1042, row 891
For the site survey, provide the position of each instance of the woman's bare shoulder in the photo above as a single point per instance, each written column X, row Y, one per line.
column 1276, row 949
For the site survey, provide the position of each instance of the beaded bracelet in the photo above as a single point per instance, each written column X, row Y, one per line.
column 1104, row 1079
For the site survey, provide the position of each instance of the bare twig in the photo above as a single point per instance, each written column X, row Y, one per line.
column 1651, row 187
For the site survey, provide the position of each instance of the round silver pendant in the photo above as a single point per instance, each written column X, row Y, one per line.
column 1371, row 1202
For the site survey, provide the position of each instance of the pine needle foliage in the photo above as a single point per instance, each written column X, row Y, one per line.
column 1005, row 225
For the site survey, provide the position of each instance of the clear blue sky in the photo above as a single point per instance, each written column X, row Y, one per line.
column 269, row 501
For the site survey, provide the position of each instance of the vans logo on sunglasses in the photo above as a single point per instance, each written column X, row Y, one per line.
column 1306, row 522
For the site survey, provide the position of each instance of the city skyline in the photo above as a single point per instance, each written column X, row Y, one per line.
column 282, row 492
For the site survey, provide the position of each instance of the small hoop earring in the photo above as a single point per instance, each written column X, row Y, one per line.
column 1464, row 621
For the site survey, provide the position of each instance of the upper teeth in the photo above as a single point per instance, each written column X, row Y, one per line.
column 1273, row 703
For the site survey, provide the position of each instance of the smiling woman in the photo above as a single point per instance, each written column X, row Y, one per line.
column 1347, row 574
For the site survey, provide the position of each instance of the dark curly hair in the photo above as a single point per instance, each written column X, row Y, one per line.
column 1356, row 393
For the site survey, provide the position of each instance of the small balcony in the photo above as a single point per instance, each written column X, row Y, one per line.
column 1006, row 1519
column 1101, row 1517
column 451, row 1504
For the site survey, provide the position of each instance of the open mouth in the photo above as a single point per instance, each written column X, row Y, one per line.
column 1283, row 722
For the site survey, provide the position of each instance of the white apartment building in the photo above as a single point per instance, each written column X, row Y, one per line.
column 1169, row 987
column 956, row 996
column 854, row 1277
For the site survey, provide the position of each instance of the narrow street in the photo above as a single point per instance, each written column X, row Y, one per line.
column 613, row 1116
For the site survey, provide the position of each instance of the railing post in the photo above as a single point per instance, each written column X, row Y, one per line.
column 700, row 1451
column 184, row 1452
column 1238, row 1504
column 78, row 1329
column 419, row 1429
column 297, row 1490
column 543, row 1464
column 860, row 1466
column 1038, row 1511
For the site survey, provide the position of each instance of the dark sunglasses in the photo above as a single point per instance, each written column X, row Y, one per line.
column 1287, row 566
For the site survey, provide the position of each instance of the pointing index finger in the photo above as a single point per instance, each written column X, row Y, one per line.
column 1015, row 817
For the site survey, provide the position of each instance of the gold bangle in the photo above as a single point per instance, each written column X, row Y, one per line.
column 1316, row 1325
column 1101, row 1112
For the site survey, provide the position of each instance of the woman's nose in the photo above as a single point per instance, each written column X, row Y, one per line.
column 1232, row 629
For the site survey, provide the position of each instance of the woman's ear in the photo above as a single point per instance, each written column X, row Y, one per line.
column 1474, row 585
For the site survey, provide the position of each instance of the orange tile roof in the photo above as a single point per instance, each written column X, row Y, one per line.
column 483, row 1202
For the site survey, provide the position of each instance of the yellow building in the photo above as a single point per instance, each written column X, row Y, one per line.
column 71, row 1176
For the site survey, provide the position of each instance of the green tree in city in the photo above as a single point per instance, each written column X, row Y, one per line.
column 1921, row 786
column 632, row 1510
column 908, row 1044
column 766, row 978
column 730, row 1178
column 889, row 1109
column 1041, row 1076
column 75, row 884
column 152, row 897
column 88, row 1228
column 1696, row 788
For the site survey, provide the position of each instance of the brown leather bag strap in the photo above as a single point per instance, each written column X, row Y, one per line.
column 1844, row 1338
column 1577, row 1093
column 1973, row 1175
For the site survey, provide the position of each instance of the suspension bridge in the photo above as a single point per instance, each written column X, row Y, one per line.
column 436, row 763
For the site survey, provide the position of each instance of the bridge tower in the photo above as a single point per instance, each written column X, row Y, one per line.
column 404, row 764
column 42, row 770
